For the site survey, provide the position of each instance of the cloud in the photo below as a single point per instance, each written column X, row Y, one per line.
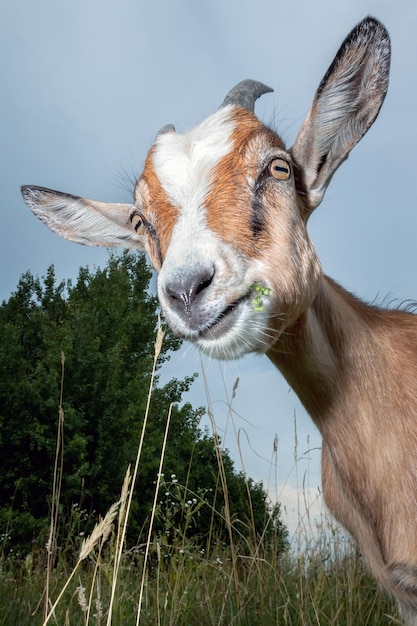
column 303, row 510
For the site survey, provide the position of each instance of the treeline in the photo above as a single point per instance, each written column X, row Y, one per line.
column 105, row 326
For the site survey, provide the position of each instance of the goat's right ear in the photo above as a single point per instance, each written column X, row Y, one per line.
column 346, row 104
column 82, row 220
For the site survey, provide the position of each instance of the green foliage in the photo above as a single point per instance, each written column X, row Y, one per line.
column 105, row 324
column 260, row 294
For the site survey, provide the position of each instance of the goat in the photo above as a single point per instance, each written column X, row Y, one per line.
column 222, row 210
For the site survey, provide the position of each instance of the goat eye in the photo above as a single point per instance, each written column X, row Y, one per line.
column 137, row 222
column 280, row 169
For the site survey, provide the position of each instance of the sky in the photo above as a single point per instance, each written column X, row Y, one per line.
column 86, row 84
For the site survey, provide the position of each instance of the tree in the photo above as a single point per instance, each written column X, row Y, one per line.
column 105, row 325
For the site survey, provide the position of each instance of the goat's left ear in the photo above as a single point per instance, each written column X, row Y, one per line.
column 346, row 104
column 82, row 220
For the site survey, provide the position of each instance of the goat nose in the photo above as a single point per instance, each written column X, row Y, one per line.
column 184, row 293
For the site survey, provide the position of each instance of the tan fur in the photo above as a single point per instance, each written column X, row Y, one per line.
column 354, row 368
column 232, row 187
column 157, row 208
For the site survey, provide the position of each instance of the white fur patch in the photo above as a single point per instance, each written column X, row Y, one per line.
column 183, row 163
column 184, row 166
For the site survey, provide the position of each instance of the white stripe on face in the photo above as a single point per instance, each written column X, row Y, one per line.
column 183, row 163
column 184, row 166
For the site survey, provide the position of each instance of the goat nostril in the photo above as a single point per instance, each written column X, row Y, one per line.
column 203, row 285
column 184, row 292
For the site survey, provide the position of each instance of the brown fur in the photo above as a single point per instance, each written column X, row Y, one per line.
column 157, row 208
column 232, row 191
column 354, row 367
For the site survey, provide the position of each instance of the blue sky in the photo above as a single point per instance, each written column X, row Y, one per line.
column 86, row 84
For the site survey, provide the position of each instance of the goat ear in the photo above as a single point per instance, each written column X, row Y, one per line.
column 346, row 104
column 82, row 220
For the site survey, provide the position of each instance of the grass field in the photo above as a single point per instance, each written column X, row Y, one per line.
column 183, row 585
column 318, row 580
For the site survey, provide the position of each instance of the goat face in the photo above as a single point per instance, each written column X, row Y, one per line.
column 222, row 209
column 221, row 217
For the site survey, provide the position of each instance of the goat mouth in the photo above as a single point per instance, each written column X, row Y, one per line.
column 225, row 321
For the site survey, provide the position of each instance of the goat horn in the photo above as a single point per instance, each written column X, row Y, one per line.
column 168, row 128
column 245, row 93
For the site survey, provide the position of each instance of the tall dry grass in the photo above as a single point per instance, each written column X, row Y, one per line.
column 317, row 581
